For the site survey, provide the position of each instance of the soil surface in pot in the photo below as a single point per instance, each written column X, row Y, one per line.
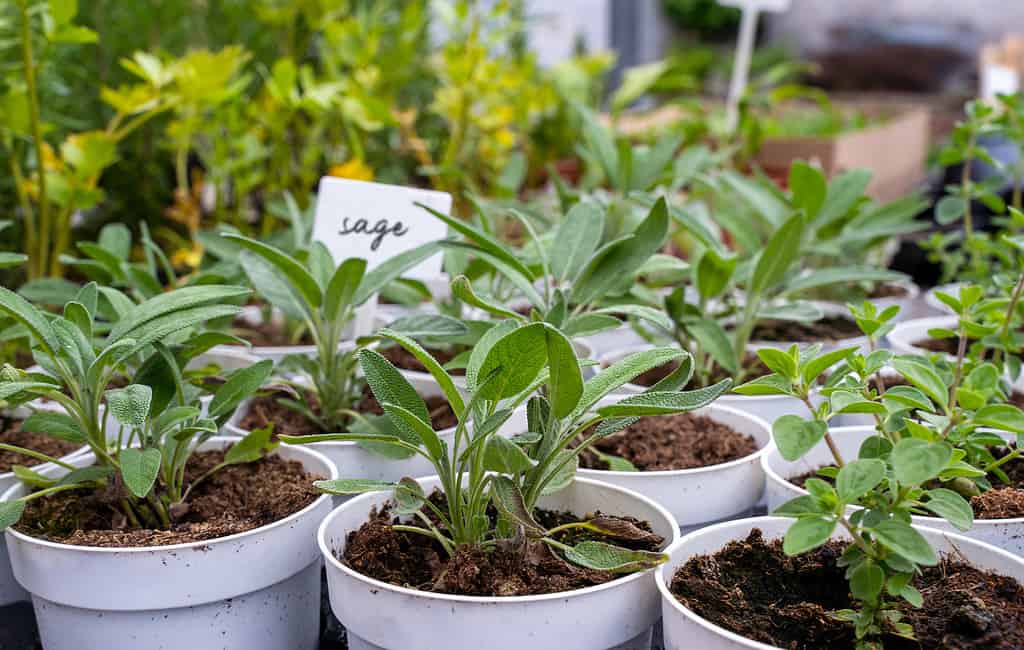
column 402, row 358
column 11, row 434
column 233, row 500
column 830, row 328
column 268, row 333
column 1001, row 502
column 751, row 362
column 885, row 290
column 752, row 588
column 265, row 409
column 419, row 562
column 671, row 442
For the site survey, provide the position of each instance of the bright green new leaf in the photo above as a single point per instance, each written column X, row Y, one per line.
column 916, row 461
column 795, row 436
column 807, row 533
column 905, row 541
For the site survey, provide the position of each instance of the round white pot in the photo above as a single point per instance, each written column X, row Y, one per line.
column 765, row 407
column 904, row 337
column 353, row 461
column 1007, row 534
column 362, row 324
column 10, row 590
column 616, row 615
column 937, row 307
column 685, row 630
column 259, row 589
column 704, row 494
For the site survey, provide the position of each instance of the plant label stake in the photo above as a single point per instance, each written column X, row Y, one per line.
column 375, row 221
column 744, row 48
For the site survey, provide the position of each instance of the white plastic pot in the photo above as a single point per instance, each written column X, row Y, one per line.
column 10, row 590
column 703, row 494
column 616, row 615
column 937, row 307
column 1007, row 534
column 904, row 337
column 685, row 630
column 353, row 461
column 362, row 324
column 765, row 407
column 259, row 589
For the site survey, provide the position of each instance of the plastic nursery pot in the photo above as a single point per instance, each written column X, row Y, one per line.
column 258, row 589
column 10, row 590
column 936, row 306
column 362, row 324
column 766, row 407
column 1007, row 534
column 617, row 615
column 903, row 338
column 353, row 461
column 685, row 630
column 702, row 494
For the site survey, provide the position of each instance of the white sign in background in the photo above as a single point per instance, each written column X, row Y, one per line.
column 375, row 221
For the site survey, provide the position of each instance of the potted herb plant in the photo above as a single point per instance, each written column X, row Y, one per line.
column 879, row 558
column 161, row 512
column 606, row 537
column 326, row 393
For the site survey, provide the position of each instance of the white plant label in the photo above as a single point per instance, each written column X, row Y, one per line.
column 759, row 5
column 375, row 221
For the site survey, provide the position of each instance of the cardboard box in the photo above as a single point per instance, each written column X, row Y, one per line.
column 895, row 149
column 894, row 146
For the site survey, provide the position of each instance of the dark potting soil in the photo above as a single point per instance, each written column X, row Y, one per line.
column 830, row 328
column 419, row 562
column 671, row 442
column 947, row 346
column 1003, row 501
column 233, row 500
column 268, row 334
column 265, row 409
column 751, row 362
column 402, row 358
column 884, row 290
column 11, row 434
column 752, row 588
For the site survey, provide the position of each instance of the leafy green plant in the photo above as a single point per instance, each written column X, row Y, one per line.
column 51, row 185
column 584, row 285
column 933, row 446
column 479, row 467
column 158, row 412
column 324, row 299
column 736, row 290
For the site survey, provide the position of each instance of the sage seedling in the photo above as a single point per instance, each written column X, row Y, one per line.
column 159, row 415
column 478, row 467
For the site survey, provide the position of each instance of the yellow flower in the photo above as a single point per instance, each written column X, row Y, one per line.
column 190, row 257
column 355, row 169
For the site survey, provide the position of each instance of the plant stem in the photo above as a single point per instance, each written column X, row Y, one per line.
column 37, row 455
column 32, row 90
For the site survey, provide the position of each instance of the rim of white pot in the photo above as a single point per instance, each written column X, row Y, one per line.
column 328, row 553
column 760, row 522
column 222, row 441
column 694, row 471
column 903, row 336
column 952, row 288
column 618, row 354
column 774, row 476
